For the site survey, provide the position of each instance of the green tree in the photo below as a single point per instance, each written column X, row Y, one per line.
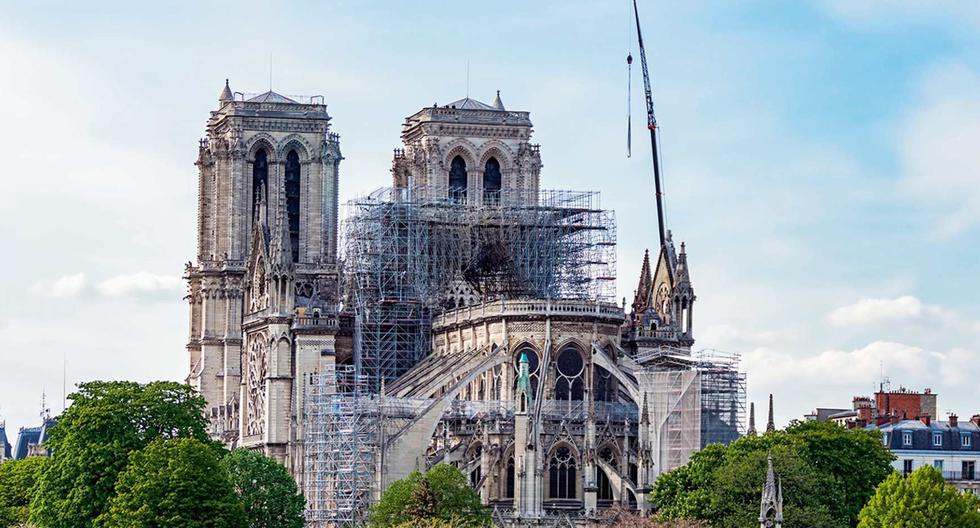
column 921, row 500
column 17, row 479
column 93, row 439
column 856, row 459
column 828, row 473
column 176, row 483
column 443, row 493
column 267, row 491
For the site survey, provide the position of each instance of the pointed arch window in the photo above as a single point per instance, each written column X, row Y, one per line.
column 605, row 494
column 260, row 176
column 457, row 179
column 570, row 372
column 491, row 182
column 292, row 200
column 561, row 474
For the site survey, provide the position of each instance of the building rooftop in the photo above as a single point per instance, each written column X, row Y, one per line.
column 270, row 97
column 472, row 104
column 934, row 425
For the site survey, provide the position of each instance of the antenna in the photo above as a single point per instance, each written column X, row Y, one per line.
column 270, row 71
column 467, row 78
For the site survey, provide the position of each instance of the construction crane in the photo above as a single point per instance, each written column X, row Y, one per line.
column 651, row 125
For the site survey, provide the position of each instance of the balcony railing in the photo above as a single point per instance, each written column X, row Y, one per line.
column 961, row 475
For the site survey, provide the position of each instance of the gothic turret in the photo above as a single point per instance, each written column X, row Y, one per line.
column 771, row 506
column 226, row 94
column 751, row 431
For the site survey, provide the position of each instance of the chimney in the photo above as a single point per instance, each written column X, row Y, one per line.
column 953, row 420
column 976, row 420
column 925, row 419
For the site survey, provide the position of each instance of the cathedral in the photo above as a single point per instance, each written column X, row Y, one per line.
column 463, row 315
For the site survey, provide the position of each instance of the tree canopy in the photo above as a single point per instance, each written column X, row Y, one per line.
column 920, row 500
column 94, row 437
column 17, row 479
column 174, row 483
column 267, row 491
column 443, row 493
column 828, row 473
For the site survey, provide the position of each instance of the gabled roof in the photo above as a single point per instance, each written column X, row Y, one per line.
column 472, row 104
column 270, row 97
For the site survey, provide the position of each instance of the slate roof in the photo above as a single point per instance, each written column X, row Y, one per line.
column 270, row 97
column 922, row 436
column 472, row 104
column 32, row 435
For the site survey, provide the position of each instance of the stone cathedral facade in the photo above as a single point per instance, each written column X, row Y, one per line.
column 263, row 290
column 551, row 405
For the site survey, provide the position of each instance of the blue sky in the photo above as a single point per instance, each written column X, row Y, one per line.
column 819, row 162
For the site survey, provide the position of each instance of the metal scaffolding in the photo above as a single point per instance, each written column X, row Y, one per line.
column 695, row 400
column 408, row 252
column 340, row 444
column 722, row 397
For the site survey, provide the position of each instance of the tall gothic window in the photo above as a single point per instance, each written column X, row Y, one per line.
column 457, row 179
column 260, row 176
column 292, row 201
column 561, row 474
column 571, row 370
column 491, row 182
column 532, row 368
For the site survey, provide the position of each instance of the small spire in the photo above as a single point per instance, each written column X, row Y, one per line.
column 751, row 431
column 771, row 425
column 497, row 103
column 226, row 94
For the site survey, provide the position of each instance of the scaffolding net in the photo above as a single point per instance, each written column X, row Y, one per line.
column 674, row 406
column 408, row 252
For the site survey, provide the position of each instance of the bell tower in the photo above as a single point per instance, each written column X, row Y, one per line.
column 266, row 256
column 468, row 152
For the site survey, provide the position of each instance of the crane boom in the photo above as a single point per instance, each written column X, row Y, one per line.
column 652, row 126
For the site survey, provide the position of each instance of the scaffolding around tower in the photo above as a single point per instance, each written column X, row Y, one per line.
column 722, row 397
column 410, row 252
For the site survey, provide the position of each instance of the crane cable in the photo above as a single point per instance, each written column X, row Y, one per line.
column 629, row 86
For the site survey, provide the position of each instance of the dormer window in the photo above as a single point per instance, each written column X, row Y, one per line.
column 937, row 439
column 907, row 438
column 965, row 440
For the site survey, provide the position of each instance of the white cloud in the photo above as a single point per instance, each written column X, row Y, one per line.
column 872, row 311
column 906, row 308
column 64, row 286
column 911, row 365
column 140, row 284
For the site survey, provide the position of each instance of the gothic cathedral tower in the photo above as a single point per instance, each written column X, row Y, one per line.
column 263, row 291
